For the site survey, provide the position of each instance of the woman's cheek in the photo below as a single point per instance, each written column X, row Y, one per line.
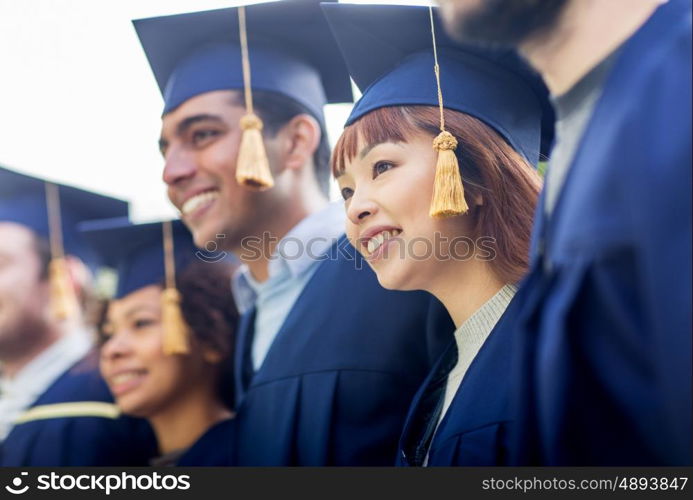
column 352, row 236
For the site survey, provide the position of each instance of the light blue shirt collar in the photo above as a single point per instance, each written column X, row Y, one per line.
column 304, row 246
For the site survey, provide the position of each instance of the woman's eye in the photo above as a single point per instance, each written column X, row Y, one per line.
column 381, row 167
column 347, row 193
column 143, row 323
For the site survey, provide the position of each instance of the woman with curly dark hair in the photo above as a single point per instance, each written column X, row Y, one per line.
column 167, row 340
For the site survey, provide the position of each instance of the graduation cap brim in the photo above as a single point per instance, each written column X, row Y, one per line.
column 376, row 40
column 295, row 30
column 88, row 204
column 23, row 201
column 136, row 251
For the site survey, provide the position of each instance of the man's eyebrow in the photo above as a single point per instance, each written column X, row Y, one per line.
column 185, row 124
column 191, row 120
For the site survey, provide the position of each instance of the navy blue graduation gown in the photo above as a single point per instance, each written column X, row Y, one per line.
column 79, row 440
column 337, row 381
column 475, row 430
column 213, row 449
column 606, row 321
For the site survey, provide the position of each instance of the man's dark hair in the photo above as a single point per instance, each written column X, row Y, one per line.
column 277, row 110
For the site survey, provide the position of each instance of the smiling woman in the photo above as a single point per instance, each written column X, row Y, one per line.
column 502, row 188
column 186, row 395
column 470, row 254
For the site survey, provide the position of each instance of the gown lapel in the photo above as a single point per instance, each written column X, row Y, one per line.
column 243, row 362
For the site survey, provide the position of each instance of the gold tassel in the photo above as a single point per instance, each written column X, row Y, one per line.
column 176, row 330
column 63, row 299
column 252, row 166
column 448, row 190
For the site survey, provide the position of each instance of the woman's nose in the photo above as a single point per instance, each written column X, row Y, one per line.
column 116, row 346
column 360, row 208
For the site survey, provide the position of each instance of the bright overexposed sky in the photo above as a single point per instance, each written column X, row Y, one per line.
column 78, row 102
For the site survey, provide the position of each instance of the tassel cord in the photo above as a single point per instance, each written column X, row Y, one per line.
column 176, row 330
column 448, row 189
column 245, row 60
column 54, row 221
column 252, row 166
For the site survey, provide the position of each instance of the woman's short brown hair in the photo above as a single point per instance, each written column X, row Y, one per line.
column 490, row 168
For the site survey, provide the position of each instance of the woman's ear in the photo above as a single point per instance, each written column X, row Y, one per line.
column 301, row 137
column 211, row 356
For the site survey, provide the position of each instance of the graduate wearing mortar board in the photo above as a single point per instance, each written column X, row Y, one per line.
column 605, row 373
column 448, row 154
column 55, row 410
column 167, row 338
column 326, row 360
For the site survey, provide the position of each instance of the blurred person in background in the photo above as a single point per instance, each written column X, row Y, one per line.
column 606, row 322
column 55, row 409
